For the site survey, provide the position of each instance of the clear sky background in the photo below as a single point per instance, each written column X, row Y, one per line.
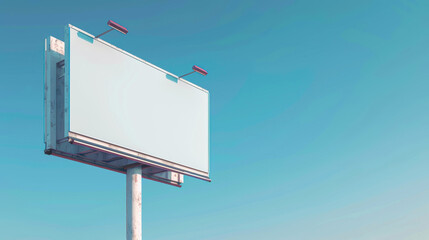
column 319, row 121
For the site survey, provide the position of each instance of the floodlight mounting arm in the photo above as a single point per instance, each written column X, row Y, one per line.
column 187, row 74
column 114, row 26
column 99, row 35
column 196, row 69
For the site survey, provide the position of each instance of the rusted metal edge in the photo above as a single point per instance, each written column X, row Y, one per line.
column 77, row 158
column 86, row 141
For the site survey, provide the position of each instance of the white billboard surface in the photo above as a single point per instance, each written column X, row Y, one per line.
column 123, row 100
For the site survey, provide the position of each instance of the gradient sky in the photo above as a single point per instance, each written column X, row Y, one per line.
column 319, row 121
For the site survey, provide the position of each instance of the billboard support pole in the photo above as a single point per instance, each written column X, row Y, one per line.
column 134, row 202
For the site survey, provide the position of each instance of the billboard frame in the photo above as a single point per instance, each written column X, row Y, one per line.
column 61, row 142
column 100, row 145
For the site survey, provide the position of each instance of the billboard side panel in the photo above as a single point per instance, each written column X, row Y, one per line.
column 52, row 58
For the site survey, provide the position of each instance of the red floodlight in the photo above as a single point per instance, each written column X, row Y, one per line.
column 196, row 69
column 115, row 26
column 199, row 70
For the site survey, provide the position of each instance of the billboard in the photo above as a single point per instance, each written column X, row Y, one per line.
column 113, row 109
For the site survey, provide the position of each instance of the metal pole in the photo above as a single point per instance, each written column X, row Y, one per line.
column 134, row 203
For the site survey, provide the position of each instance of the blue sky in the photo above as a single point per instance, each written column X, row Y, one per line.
column 319, row 121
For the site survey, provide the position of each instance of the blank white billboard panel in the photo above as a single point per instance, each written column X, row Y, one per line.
column 122, row 100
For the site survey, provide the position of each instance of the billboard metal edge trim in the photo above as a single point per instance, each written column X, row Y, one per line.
column 137, row 156
column 64, row 155
column 44, row 92
column 67, row 82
